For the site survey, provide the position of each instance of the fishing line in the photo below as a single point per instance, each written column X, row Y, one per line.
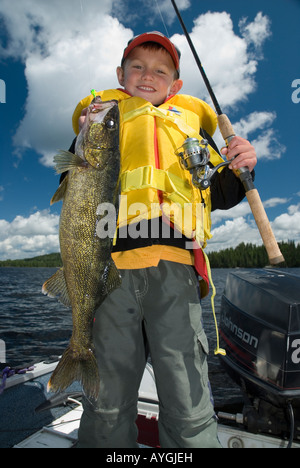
column 162, row 18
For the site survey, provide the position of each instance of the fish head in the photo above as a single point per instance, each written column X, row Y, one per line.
column 101, row 132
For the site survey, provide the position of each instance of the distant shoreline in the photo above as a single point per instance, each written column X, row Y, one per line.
column 46, row 261
column 242, row 256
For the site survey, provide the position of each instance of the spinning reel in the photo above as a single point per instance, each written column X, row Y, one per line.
column 195, row 158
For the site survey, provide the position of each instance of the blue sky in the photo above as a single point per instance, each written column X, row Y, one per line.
column 53, row 53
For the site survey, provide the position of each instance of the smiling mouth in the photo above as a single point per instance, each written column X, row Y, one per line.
column 147, row 89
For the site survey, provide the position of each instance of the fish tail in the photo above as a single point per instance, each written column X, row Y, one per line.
column 73, row 367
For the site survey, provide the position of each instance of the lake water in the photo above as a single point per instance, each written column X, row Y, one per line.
column 35, row 327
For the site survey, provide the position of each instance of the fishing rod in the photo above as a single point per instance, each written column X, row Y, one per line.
column 227, row 131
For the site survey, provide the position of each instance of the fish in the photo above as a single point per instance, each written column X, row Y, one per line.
column 89, row 273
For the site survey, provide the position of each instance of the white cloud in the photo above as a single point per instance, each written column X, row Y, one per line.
column 286, row 226
column 154, row 14
column 28, row 237
column 35, row 26
column 71, row 47
column 68, row 48
column 273, row 202
column 294, row 209
column 38, row 234
column 239, row 225
column 232, row 233
column 253, row 122
column 59, row 80
column 256, row 32
column 218, row 45
column 241, row 210
column 167, row 11
column 266, row 144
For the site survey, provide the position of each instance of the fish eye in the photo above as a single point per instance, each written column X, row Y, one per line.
column 110, row 123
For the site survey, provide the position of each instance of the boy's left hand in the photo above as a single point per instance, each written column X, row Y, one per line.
column 243, row 152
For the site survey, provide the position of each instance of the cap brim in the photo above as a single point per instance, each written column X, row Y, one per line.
column 154, row 37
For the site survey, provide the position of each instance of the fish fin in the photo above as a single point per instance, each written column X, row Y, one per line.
column 65, row 161
column 60, row 192
column 112, row 278
column 74, row 366
column 56, row 286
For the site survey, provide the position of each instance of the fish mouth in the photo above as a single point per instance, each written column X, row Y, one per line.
column 100, row 112
column 100, row 106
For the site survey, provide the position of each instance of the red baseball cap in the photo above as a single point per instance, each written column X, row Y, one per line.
column 154, row 36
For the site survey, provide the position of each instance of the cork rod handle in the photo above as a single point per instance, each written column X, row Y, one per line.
column 257, row 208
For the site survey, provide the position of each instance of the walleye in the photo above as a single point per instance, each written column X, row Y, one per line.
column 89, row 273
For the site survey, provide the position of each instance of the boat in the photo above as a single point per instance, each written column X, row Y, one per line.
column 260, row 331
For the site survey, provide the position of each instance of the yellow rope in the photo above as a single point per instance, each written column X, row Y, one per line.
column 218, row 350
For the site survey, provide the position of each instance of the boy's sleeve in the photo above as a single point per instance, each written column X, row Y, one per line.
column 227, row 190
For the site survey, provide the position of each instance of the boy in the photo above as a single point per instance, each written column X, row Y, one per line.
column 157, row 306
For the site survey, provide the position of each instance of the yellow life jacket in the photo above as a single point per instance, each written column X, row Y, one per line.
column 152, row 180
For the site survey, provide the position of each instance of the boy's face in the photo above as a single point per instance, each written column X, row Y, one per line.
column 149, row 74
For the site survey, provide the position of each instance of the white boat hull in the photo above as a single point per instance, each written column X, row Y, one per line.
column 62, row 433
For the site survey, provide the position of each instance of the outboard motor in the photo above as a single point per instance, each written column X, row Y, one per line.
column 260, row 331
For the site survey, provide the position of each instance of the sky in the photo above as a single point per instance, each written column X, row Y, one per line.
column 53, row 53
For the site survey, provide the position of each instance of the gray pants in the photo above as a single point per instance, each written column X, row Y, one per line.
column 161, row 303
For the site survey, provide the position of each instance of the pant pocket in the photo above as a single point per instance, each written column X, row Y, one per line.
column 203, row 342
column 203, row 349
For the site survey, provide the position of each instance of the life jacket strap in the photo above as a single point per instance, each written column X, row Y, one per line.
column 149, row 177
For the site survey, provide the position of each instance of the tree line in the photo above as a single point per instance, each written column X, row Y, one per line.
column 242, row 256
column 254, row 256
column 47, row 261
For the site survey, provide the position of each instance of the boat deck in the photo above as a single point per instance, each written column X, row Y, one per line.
column 58, row 427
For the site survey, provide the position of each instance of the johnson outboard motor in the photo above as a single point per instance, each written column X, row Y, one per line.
column 260, row 331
